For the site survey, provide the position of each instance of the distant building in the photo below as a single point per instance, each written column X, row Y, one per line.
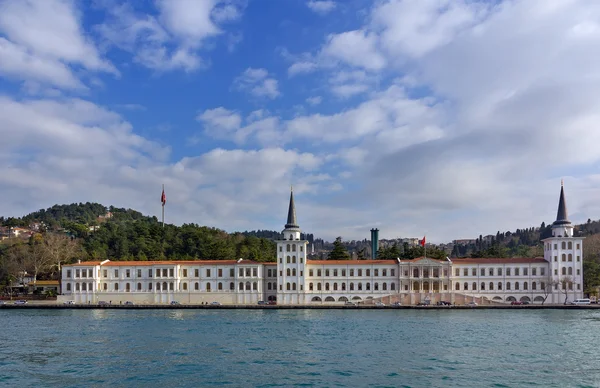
column 295, row 280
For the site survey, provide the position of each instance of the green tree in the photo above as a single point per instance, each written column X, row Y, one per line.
column 339, row 251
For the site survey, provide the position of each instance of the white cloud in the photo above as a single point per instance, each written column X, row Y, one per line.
column 321, row 7
column 356, row 48
column 257, row 83
column 316, row 100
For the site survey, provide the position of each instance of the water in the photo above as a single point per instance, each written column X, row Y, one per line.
column 264, row 348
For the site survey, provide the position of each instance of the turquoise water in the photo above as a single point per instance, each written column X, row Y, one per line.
column 264, row 348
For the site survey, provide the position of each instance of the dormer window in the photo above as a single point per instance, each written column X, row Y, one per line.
column 291, row 236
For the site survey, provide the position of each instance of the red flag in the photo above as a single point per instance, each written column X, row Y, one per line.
column 422, row 242
column 163, row 198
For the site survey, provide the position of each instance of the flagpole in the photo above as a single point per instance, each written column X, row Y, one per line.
column 163, row 207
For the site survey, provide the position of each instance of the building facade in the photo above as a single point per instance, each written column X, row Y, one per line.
column 295, row 280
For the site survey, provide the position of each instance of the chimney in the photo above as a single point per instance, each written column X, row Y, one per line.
column 374, row 243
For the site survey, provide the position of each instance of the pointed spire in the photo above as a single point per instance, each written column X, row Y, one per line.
column 291, row 219
column 562, row 217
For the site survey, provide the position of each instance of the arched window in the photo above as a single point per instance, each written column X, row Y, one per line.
column 310, row 286
column 474, row 286
column 241, row 286
column 171, row 288
column 482, row 287
column 563, row 245
column 570, row 271
column 491, row 286
column 466, row 286
column 293, row 247
column 508, row 285
column 164, row 286
column 288, row 286
column 288, row 247
column 76, row 286
column 184, row 285
column 570, row 256
column 343, row 286
column 293, row 259
column 294, row 286
column 247, row 286
column 288, row 260
column 500, row 286
column 533, row 285
column 318, row 286
column 255, row 286
column 359, row 286
column 288, row 272
column 301, row 260
column 415, row 273
column 291, row 236
column 301, row 248
column 525, row 286
column 376, row 286
column 564, row 270
column 384, row 286
column 157, row 286
column 127, row 287
column 393, row 286
column 232, row 286
column 335, row 286
column 197, row 286
column 570, row 245
column 351, row 286
column 564, row 257
column 139, row 286
column 68, row 286
column 457, row 286
column 368, row 286
column 116, row 286
column 416, row 286
column 220, row 286
column 84, row 286
column 293, row 271
column 105, row 286
column 326, row 286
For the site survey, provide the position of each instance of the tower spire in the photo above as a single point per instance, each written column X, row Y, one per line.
column 562, row 217
column 291, row 218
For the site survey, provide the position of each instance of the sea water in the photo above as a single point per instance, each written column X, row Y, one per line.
column 322, row 348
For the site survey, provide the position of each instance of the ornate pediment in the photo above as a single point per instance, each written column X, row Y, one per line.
column 426, row 261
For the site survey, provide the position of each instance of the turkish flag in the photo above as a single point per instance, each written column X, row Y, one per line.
column 422, row 242
column 163, row 198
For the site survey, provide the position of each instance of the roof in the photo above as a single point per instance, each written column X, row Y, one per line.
column 562, row 217
column 499, row 260
column 291, row 218
column 163, row 262
column 47, row 283
column 350, row 262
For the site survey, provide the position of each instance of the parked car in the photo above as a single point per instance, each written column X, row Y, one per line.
column 472, row 304
column 174, row 303
column 348, row 303
column 272, row 302
column 70, row 302
column 128, row 303
column 444, row 303
column 262, row 302
column 516, row 303
column 379, row 304
column 215, row 304
column 102, row 303
column 396, row 304
column 20, row 301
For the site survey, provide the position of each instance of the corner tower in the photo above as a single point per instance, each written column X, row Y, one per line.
column 291, row 260
column 564, row 254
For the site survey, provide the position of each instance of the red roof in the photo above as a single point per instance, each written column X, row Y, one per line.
column 164, row 262
column 512, row 260
column 350, row 262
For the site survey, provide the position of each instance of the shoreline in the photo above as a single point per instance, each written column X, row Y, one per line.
column 292, row 307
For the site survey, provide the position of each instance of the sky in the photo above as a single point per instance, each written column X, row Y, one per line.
column 448, row 119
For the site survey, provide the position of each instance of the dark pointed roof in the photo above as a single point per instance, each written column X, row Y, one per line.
column 562, row 217
column 291, row 220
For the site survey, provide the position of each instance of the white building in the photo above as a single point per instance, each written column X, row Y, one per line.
column 293, row 279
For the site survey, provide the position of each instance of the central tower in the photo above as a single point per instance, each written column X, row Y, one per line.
column 291, row 260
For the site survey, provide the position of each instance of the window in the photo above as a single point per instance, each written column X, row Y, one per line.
column 491, row 272
column 77, row 273
column 563, row 257
column 570, row 245
column 360, row 272
column 563, row 245
column 255, row 272
column 555, row 272
column 127, row 273
column 184, row 273
column 351, row 286
column 500, row 286
column 288, row 286
column 105, row 273
column 326, row 286
column 533, row 285
column 491, row 286
column 293, row 271
column 232, row 286
column 68, row 273
column 116, row 273
column 184, row 285
column 570, row 271
column 368, row 272
column 255, row 286
column 288, row 272
column 456, row 272
column 220, row 272
column 466, row 286
column 68, row 286
column 310, row 272
column 207, row 287
column 318, row 272
column 393, row 272
column 335, row 286
column 241, row 272
column 335, row 272
column 533, row 271
column 280, row 273
column 474, row 286
column 288, row 260
column 376, row 286
column 288, row 247
column 508, row 272
column 465, row 272
column 578, row 272
column 577, row 258
column 499, row 271
column 482, row 286
column 293, row 247
column 384, row 272
column 473, row 271
column 318, row 286
column 294, row 286
column 310, row 286
column 208, row 272
column 105, row 287
column 171, row 272
column 564, row 270
column 555, row 246
column 482, row 272
column 508, row 285
column 268, row 273
column 375, row 272
column 139, row 286
column 525, row 286
column 326, row 272
column 90, row 273
column 457, row 286
column 570, row 257
column 516, row 285
column 241, row 286
column 542, row 271
column 301, row 250
column 577, row 246
column 393, row 286
column 343, row 272
column 280, row 248
column 301, row 261
column 368, row 286
column 517, row 270
column 197, row 286
column 293, row 259
column 116, row 286
column 76, row 286
column 232, row 273
column 164, row 272
column 281, row 260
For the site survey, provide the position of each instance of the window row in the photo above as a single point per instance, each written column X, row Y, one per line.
column 291, row 248
column 524, row 271
column 352, row 272
column 563, row 245
column 568, row 257
column 426, row 272
column 164, row 286
column 351, row 286
column 168, row 272
column 566, row 271
column 490, row 286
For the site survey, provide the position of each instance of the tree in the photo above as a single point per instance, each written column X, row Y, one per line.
column 339, row 252
column 60, row 249
column 546, row 288
column 565, row 284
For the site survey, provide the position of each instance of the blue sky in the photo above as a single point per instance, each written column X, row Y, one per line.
column 445, row 118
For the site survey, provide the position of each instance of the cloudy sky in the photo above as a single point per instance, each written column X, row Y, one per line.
column 445, row 118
